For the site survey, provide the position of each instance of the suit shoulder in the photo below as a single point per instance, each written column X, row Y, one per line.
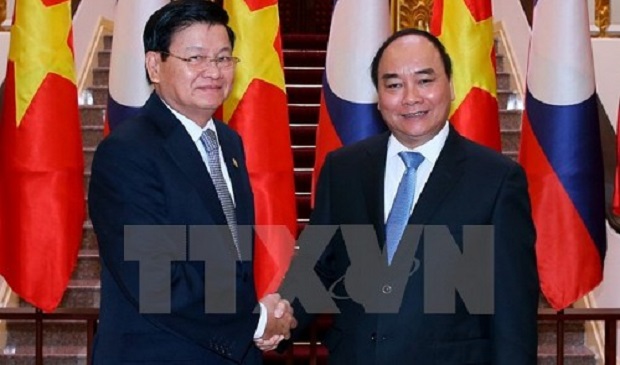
column 486, row 156
column 134, row 127
column 135, row 134
column 355, row 150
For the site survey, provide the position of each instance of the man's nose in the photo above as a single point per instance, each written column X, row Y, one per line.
column 412, row 95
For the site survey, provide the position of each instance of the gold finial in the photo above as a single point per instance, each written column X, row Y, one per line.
column 602, row 16
column 411, row 14
column 2, row 11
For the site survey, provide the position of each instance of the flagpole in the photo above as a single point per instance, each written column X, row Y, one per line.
column 38, row 336
column 560, row 338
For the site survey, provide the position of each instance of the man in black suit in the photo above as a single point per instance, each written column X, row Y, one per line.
column 175, row 170
column 456, row 183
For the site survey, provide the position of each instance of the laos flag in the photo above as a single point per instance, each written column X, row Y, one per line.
column 128, row 86
column 561, row 152
column 349, row 100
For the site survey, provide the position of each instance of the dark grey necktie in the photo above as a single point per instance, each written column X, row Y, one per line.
column 209, row 141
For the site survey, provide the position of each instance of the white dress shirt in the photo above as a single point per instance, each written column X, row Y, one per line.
column 395, row 167
column 195, row 131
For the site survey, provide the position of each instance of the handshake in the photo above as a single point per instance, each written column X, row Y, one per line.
column 280, row 321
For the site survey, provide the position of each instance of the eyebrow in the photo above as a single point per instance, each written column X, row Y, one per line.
column 200, row 49
column 425, row 71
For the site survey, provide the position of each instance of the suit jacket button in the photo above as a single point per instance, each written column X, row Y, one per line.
column 373, row 337
column 387, row 289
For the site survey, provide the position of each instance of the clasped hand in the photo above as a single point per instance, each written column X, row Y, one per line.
column 280, row 321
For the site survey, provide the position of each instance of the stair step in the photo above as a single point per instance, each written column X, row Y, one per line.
column 504, row 97
column 573, row 333
column 303, row 134
column 510, row 119
column 503, row 81
column 303, row 157
column 303, row 94
column 499, row 63
column 303, row 181
column 103, row 58
column 92, row 135
column 304, row 58
column 89, row 240
column 100, row 94
column 303, row 205
column 107, row 42
column 100, row 76
column 573, row 355
column 82, row 293
column 53, row 355
column 86, row 179
column 88, row 266
column 301, row 224
column 88, row 153
column 513, row 155
column 304, row 75
column 511, row 139
column 305, row 41
column 303, row 113
column 92, row 115
column 55, row 333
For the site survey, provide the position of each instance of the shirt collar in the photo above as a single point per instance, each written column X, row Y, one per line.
column 194, row 130
column 430, row 150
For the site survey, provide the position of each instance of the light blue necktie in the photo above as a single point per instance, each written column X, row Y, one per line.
column 209, row 141
column 399, row 215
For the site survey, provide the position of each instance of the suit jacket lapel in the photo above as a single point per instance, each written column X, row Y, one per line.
column 445, row 175
column 181, row 148
column 373, row 176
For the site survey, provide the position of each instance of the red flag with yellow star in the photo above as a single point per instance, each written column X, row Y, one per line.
column 41, row 163
column 257, row 109
column 465, row 27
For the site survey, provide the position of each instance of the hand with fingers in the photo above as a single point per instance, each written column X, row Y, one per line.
column 280, row 321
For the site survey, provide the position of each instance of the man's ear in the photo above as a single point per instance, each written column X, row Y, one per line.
column 152, row 62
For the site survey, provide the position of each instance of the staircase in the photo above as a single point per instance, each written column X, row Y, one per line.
column 304, row 59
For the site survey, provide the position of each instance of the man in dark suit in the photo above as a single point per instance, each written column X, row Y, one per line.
column 456, row 183
column 175, row 170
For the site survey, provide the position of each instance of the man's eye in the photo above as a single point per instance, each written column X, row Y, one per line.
column 195, row 59
column 392, row 86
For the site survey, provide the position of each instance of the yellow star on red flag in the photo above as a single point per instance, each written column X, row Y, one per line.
column 39, row 46
column 469, row 43
column 254, row 30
